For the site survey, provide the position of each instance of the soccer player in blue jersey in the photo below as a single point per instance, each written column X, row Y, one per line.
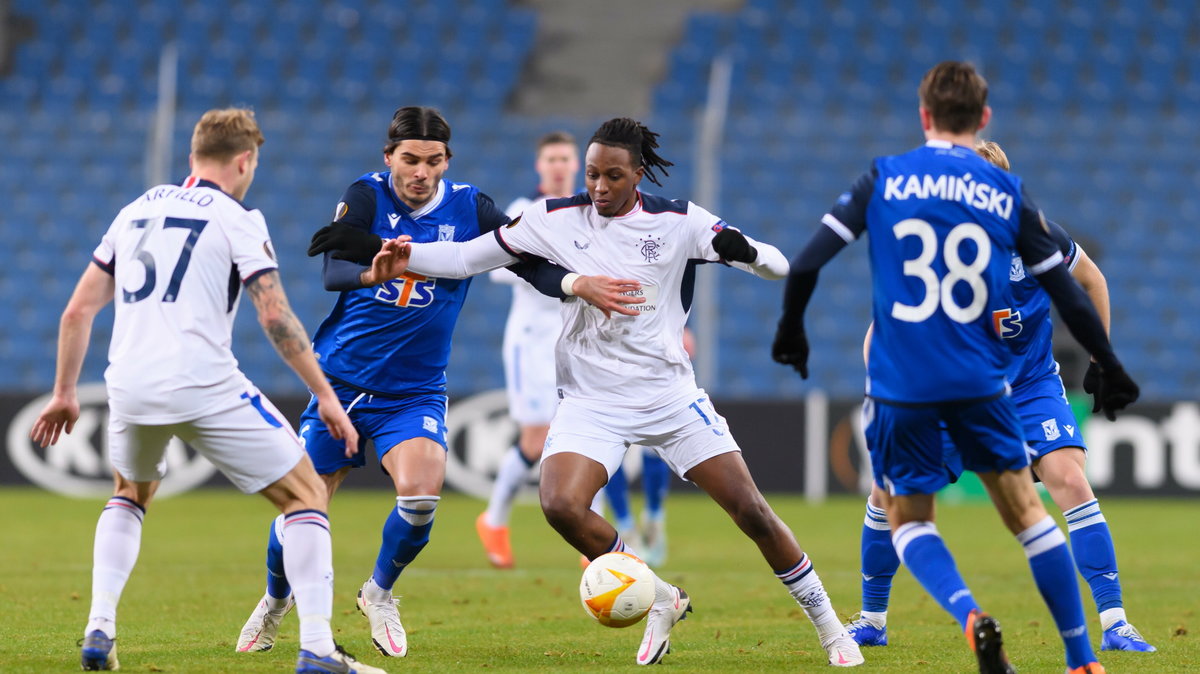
column 385, row 347
column 944, row 224
column 1051, row 431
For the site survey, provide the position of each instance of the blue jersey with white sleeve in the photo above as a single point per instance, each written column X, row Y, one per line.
column 1027, row 325
column 393, row 339
column 944, row 224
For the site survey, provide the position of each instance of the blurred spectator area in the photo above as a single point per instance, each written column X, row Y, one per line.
column 1094, row 105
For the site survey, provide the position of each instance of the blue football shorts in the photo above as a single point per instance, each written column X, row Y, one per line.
column 386, row 422
column 1047, row 421
column 907, row 452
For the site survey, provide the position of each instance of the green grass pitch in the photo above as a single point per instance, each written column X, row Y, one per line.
column 201, row 572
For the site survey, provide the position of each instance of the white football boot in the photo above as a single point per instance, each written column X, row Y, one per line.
column 843, row 651
column 259, row 632
column 664, row 614
column 386, row 631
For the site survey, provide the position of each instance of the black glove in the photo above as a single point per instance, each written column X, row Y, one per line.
column 791, row 348
column 1115, row 392
column 732, row 246
column 345, row 242
column 1091, row 384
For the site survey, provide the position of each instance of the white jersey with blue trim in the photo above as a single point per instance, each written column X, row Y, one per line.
column 179, row 256
column 622, row 361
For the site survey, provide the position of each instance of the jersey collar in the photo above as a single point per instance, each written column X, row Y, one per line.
column 193, row 181
column 943, row 144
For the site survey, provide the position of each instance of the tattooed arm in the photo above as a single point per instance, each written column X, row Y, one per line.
column 290, row 339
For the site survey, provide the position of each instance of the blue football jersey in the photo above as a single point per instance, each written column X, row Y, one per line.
column 943, row 225
column 1027, row 325
column 394, row 338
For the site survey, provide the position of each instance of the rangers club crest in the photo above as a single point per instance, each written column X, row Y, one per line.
column 446, row 232
column 650, row 248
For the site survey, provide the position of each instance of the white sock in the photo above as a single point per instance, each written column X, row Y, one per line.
column 805, row 587
column 375, row 594
column 308, row 562
column 1112, row 616
column 118, row 541
column 663, row 591
column 513, row 471
column 875, row 618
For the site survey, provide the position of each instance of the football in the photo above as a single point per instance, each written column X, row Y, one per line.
column 617, row 589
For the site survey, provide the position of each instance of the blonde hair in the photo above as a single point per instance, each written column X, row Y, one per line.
column 222, row 134
column 991, row 151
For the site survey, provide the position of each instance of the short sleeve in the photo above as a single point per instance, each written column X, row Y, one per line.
column 524, row 233
column 105, row 254
column 848, row 217
column 251, row 246
column 1065, row 243
column 1035, row 244
column 701, row 227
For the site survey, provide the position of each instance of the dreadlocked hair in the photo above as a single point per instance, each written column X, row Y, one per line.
column 640, row 141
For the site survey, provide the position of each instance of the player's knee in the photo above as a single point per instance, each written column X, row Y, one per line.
column 561, row 510
column 138, row 492
column 755, row 518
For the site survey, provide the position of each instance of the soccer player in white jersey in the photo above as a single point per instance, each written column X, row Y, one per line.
column 175, row 260
column 626, row 380
column 529, row 336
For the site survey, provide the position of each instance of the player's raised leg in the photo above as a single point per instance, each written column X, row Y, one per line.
column 417, row 467
column 879, row 563
column 727, row 480
column 569, row 483
column 1062, row 471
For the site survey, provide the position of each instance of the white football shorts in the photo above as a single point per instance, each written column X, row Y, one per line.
column 529, row 376
column 686, row 433
column 250, row 442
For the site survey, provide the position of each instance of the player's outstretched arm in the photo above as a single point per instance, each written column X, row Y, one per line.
column 94, row 291
column 758, row 258
column 291, row 341
column 458, row 259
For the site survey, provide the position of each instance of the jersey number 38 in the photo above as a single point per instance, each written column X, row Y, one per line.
column 940, row 291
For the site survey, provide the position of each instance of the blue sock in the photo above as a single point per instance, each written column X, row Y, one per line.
column 405, row 534
column 879, row 560
column 656, row 481
column 922, row 550
column 617, row 491
column 1092, row 546
column 1054, row 574
column 277, row 582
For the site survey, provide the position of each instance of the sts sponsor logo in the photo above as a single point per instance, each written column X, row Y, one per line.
column 1006, row 323
column 410, row 290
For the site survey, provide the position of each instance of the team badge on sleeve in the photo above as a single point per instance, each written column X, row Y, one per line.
column 340, row 211
column 720, row 224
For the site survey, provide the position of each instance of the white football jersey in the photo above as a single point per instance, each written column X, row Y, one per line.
column 623, row 361
column 179, row 256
